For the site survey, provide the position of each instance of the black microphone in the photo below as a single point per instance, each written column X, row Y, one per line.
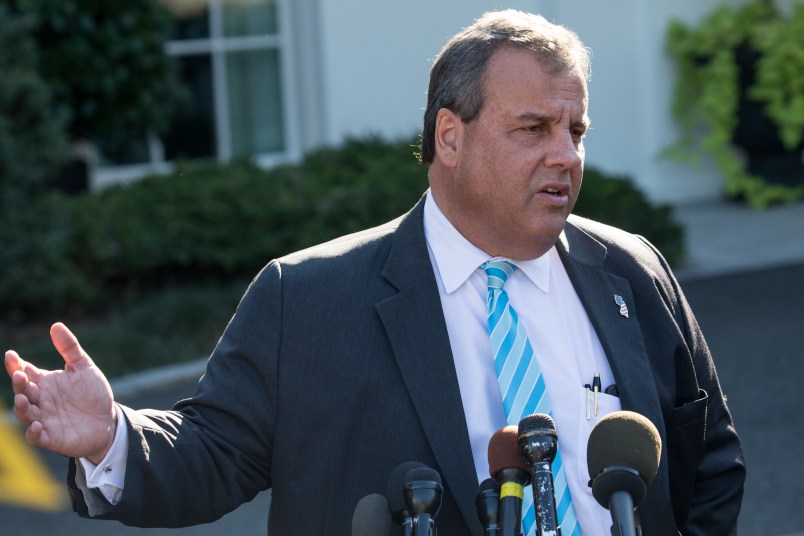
column 396, row 497
column 509, row 471
column 538, row 442
column 423, row 498
column 623, row 456
column 488, row 507
column 372, row 516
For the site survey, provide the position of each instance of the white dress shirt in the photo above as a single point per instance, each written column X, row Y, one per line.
column 566, row 346
column 565, row 343
column 108, row 476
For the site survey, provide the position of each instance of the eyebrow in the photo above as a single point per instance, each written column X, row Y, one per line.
column 545, row 118
column 532, row 116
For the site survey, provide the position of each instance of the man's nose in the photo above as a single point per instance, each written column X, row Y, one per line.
column 564, row 151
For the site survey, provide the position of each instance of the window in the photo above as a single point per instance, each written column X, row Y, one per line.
column 229, row 56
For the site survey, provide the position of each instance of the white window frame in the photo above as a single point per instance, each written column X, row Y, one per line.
column 217, row 45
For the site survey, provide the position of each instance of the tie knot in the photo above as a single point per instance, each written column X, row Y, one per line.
column 498, row 272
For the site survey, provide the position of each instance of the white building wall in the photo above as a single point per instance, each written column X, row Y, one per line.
column 376, row 57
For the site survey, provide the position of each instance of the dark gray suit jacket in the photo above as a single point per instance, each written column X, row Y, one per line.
column 337, row 367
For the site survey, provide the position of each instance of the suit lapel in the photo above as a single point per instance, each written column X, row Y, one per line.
column 414, row 321
column 622, row 341
column 620, row 336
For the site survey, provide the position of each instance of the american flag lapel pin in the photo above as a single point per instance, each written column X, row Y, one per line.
column 621, row 302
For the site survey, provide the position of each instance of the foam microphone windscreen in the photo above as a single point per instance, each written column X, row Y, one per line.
column 504, row 450
column 537, row 423
column 487, row 503
column 423, row 492
column 372, row 516
column 624, row 439
column 487, row 485
column 395, row 493
column 422, row 473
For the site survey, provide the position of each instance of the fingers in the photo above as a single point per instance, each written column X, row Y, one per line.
column 28, row 414
column 20, row 371
column 26, row 395
column 13, row 362
column 24, row 386
column 25, row 412
column 67, row 345
column 26, row 390
column 35, row 435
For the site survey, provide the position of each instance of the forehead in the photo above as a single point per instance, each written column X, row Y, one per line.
column 516, row 77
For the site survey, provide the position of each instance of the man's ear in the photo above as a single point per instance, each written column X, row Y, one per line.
column 448, row 137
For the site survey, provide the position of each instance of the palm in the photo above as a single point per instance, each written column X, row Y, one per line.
column 67, row 411
column 74, row 408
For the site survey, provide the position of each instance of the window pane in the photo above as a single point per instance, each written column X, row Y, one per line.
column 192, row 132
column 255, row 104
column 249, row 17
column 190, row 18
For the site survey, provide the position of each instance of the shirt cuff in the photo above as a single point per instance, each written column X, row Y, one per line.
column 109, row 475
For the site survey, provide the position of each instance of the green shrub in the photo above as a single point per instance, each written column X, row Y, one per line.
column 207, row 222
column 33, row 227
column 365, row 182
column 717, row 81
column 39, row 276
column 618, row 202
column 32, row 139
column 106, row 65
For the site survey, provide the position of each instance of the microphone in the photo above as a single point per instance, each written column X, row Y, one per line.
column 538, row 442
column 396, row 498
column 488, row 507
column 508, row 470
column 623, row 457
column 423, row 498
column 372, row 516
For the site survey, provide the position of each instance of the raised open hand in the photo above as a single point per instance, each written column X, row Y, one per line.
column 68, row 411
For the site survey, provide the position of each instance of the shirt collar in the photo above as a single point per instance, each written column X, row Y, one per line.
column 456, row 258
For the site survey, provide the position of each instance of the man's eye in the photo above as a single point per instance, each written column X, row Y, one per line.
column 534, row 128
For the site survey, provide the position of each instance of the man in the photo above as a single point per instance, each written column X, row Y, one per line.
column 347, row 359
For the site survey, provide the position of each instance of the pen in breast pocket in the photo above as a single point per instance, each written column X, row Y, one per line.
column 588, row 401
column 596, row 388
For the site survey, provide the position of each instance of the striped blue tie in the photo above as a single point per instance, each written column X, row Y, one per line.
column 522, row 387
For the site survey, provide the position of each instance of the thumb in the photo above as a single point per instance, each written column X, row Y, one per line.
column 67, row 345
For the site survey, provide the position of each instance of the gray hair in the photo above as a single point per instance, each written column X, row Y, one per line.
column 456, row 78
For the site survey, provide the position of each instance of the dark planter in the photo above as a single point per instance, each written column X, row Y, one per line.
column 73, row 178
column 757, row 134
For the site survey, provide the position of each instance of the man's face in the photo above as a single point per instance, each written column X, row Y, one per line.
column 516, row 169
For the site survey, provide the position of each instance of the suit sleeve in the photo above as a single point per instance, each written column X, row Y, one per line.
column 706, row 499
column 212, row 452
